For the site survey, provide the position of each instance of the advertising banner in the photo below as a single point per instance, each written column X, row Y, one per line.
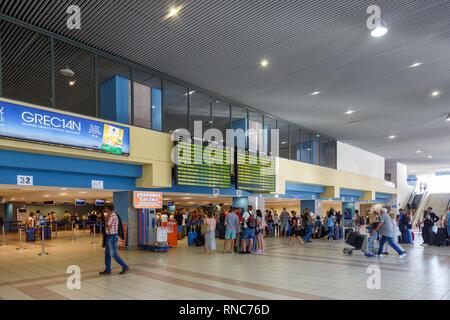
column 147, row 200
column 32, row 124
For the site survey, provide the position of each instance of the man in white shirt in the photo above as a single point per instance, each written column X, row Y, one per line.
column 248, row 231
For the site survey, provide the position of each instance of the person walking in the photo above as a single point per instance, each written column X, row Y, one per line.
column 259, row 232
column 284, row 221
column 387, row 230
column 276, row 224
column 210, row 234
column 113, row 229
column 295, row 229
column 331, row 220
column 429, row 220
column 309, row 220
column 357, row 221
column 231, row 227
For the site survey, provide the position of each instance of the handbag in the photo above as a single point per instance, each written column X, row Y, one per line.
column 204, row 228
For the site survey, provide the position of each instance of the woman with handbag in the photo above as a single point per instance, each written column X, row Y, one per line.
column 209, row 229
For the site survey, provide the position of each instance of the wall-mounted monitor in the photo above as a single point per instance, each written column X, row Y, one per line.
column 80, row 202
column 100, row 203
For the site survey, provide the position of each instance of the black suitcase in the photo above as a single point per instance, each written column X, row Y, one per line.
column 355, row 239
column 441, row 236
column 200, row 241
column 348, row 231
column 221, row 231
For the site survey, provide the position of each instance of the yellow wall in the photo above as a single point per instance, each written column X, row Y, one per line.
column 297, row 172
column 150, row 149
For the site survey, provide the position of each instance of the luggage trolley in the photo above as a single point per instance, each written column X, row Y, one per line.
column 359, row 242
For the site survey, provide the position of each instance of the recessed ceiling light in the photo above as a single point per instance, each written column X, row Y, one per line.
column 380, row 31
column 284, row 142
column 435, row 93
column 448, row 118
column 190, row 93
column 63, row 194
column 63, row 189
column 264, row 63
column 83, row 192
column 392, row 137
column 430, row 157
column 415, row 65
column 46, row 196
column 173, row 12
column 13, row 199
column 315, row 93
column 349, row 112
column 72, row 83
column 419, row 151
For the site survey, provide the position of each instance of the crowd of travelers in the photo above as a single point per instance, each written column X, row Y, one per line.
column 244, row 231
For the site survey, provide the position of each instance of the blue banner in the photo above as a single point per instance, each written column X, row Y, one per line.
column 32, row 124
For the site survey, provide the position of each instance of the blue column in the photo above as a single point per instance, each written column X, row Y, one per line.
column 308, row 204
column 115, row 99
column 156, row 109
column 123, row 203
column 241, row 203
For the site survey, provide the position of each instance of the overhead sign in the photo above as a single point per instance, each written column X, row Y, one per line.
column 24, row 180
column 216, row 192
column 255, row 172
column 147, row 200
column 32, row 124
column 239, row 193
column 199, row 165
column 97, row 184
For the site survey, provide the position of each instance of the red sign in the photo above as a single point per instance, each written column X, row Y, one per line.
column 147, row 200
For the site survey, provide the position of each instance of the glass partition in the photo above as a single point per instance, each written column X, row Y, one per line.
column 296, row 143
column 269, row 125
column 284, row 139
column 255, row 137
column 306, row 154
column 147, row 111
column 221, row 116
column 324, row 152
column 175, row 111
column 199, row 110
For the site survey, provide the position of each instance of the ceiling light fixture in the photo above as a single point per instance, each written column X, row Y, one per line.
column 349, row 112
column 430, row 157
column 448, row 118
column 415, row 65
column 173, row 12
column 380, row 31
column 435, row 93
column 419, row 151
column 315, row 93
column 72, row 83
column 264, row 63
column 392, row 137
column 190, row 93
column 67, row 72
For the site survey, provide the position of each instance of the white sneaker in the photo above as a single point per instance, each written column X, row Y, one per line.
column 379, row 255
column 403, row 255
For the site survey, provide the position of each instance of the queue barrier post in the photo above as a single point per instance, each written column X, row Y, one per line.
column 20, row 248
column 43, row 253
column 94, row 240
column 3, row 236
column 73, row 231
column 56, row 229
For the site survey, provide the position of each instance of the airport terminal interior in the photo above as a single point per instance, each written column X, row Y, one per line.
column 224, row 150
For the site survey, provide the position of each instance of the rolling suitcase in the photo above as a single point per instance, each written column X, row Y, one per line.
column 431, row 238
column 348, row 231
column 31, row 235
column 355, row 239
column 221, row 231
column 192, row 236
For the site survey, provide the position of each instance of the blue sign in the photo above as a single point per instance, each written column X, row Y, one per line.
column 32, row 124
column 170, row 204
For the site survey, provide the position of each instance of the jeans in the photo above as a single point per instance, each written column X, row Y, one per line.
column 425, row 231
column 330, row 232
column 271, row 230
column 111, row 251
column 284, row 229
column 391, row 242
column 309, row 232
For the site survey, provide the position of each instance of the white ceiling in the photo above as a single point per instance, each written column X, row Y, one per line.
column 311, row 45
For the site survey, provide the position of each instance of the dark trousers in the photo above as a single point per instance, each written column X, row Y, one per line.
column 425, row 232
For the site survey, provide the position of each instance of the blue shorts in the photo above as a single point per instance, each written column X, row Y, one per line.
column 230, row 234
column 247, row 233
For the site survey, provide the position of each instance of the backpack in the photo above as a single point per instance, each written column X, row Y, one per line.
column 251, row 221
column 120, row 228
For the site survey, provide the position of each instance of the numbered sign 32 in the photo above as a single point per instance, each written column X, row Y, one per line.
column 24, row 180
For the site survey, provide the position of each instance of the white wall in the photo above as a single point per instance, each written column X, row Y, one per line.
column 403, row 189
column 352, row 159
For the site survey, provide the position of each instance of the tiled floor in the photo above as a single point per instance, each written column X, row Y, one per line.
column 317, row 271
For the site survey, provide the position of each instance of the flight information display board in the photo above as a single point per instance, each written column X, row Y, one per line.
column 255, row 172
column 203, row 165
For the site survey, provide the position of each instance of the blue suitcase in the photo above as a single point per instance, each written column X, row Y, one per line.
column 192, row 236
column 31, row 235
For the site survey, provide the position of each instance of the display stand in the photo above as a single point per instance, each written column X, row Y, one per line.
column 43, row 253
column 3, row 236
